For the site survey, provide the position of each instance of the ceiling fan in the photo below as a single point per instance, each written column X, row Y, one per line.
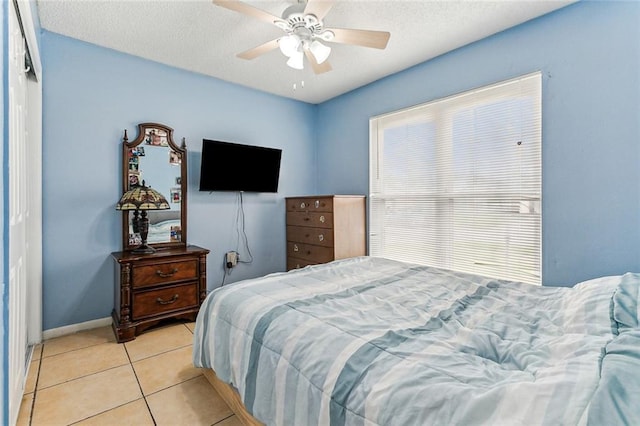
column 304, row 33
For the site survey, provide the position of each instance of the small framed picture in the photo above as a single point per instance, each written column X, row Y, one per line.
column 134, row 164
column 156, row 137
column 134, row 178
column 174, row 157
column 176, row 233
column 176, row 195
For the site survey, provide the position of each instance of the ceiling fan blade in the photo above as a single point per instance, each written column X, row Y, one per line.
column 238, row 6
column 259, row 50
column 366, row 38
column 317, row 68
column 319, row 8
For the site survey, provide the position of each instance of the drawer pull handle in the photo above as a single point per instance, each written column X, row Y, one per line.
column 322, row 219
column 167, row 302
column 317, row 204
column 320, row 237
column 295, row 247
column 166, row 275
column 303, row 205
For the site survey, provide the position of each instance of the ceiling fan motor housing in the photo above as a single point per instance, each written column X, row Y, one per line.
column 305, row 26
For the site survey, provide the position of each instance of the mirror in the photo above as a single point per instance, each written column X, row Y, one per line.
column 153, row 157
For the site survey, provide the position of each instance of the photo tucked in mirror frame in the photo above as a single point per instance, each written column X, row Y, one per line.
column 154, row 159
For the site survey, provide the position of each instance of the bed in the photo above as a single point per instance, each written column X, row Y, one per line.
column 373, row 341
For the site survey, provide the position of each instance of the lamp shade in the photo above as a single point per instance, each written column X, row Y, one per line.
column 289, row 45
column 320, row 51
column 296, row 61
column 142, row 198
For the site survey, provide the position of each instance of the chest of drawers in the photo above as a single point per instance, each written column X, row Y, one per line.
column 170, row 283
column 324, row 228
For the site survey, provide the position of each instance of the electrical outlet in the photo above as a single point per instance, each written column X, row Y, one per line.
column 231, row 259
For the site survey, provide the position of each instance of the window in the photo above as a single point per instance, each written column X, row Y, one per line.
column 456, row 183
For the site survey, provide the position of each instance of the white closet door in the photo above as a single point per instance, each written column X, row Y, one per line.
column 18, row 212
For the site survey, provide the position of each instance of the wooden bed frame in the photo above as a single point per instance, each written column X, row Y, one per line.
column 231, row 397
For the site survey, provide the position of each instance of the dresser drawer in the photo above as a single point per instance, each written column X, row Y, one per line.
column 295, row 263
column 166, row 299
column 313, row 219
column 317, row 236
column 317, row 254
column 303, row 204
column 146, row 275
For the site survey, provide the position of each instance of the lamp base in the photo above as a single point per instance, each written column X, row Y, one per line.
column 143, row 249
column 143, row 226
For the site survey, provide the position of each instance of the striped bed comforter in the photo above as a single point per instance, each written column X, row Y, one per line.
column 371, row 341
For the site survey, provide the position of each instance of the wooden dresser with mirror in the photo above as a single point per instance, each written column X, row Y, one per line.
column 170, row 282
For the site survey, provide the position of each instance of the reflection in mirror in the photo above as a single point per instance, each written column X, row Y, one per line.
column 153, row 158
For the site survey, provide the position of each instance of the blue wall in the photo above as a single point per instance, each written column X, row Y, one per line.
column 589, row 54
column 90, row 96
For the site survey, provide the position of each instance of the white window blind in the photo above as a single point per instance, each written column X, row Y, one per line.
column 456, row 183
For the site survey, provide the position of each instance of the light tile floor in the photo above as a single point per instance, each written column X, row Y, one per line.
column 87, row 378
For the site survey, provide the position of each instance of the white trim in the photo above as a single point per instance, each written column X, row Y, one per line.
column 453, row 96
column 74, row 328
column 34, row 198
column 30, row 35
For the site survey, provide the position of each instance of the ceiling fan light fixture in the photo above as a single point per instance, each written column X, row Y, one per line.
column 289, row 45
column 326, row 35
column 296, row 61
column 319, row 51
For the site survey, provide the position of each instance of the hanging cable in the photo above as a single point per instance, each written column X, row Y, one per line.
column 242, row 241
column 241, row 232
column 225, row 271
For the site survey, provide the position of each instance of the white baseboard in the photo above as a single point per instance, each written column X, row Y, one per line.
column 74, row 328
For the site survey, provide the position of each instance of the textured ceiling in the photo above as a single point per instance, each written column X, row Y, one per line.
column 199, row 36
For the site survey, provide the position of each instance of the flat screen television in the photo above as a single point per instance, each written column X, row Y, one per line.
column 228, row 166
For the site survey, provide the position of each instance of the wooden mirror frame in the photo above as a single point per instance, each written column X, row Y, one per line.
column 181, row 152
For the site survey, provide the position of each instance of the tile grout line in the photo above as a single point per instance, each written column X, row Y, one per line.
column 82, row 377
column 102, row 412
column 35, row 386
column 159, row 353
column 222, row 420
column 72, row 350
column 174, row 385
column 87, row 332
column 144, row 397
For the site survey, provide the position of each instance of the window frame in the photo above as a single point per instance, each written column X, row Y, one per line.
column 530, row 203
